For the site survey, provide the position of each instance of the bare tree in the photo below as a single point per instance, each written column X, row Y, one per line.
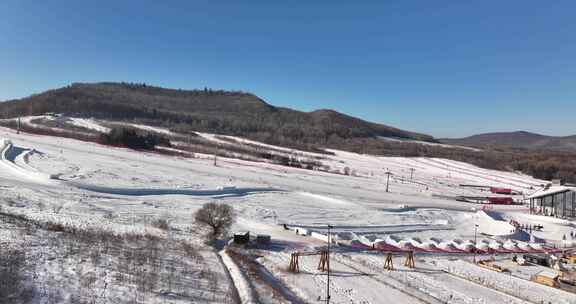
column 219, row 217
column 346, row 170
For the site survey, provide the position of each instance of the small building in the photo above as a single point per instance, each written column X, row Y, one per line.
column 242, row 237
column 546, row 277
column 537, row 260
column 301, row 231
column 554, row 200
column 263, row 239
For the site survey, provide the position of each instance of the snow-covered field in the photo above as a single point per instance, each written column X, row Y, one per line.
column 123, row 191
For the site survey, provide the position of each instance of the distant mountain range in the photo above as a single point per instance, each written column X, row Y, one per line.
column 215, row 111
column 519, row 139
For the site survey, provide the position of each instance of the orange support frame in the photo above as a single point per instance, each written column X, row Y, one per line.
column 388, row 265
column 323, row 264
column 409, row 262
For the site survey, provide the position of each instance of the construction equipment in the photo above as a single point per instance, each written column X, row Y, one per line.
column 537, row 260
column 520, row 261
column 487, row 264
column 570, row 258
column 548, row 278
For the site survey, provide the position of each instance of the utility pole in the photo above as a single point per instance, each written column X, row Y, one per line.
column 388, row 181
column 475, row 244
column 328, row 264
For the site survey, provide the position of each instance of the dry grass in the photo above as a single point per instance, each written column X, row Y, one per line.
column 97, row 266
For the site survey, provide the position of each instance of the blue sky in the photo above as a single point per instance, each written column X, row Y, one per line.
column 446, row 68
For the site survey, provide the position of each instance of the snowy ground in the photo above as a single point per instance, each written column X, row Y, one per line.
column 123, row 190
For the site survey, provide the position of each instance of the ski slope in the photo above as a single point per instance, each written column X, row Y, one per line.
column 91, row 182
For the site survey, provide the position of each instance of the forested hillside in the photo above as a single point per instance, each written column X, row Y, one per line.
column 245, row 115
column 520, row 139
column 216, row 111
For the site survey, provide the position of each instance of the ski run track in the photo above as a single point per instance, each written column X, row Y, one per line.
column 90, row 181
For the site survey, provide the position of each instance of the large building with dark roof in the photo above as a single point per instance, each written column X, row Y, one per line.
column 554, row 200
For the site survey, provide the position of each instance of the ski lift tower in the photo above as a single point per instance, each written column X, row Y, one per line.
column 388, row 173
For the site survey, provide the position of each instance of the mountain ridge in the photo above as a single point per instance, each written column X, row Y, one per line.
column 218, row 111
column 517, row 139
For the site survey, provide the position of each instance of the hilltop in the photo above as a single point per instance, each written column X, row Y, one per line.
column 183, row 114
column 217, row 111
column 518, row 139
